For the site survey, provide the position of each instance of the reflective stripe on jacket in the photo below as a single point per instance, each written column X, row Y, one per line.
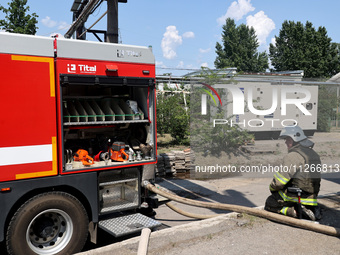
column 297, row 162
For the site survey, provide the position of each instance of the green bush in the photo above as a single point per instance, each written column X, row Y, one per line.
column 189, row 125
column 205, row 137
column 172, row 117
column 327, row 102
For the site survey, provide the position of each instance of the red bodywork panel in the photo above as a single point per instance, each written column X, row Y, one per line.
column 103, row 68
column 30, row 103
column 28, row 117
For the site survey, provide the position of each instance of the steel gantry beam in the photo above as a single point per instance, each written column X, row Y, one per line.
column 83, row 8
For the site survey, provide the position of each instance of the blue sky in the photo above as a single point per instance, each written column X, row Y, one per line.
column 183, row 33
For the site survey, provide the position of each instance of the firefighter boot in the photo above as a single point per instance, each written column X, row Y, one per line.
column 291, row 212
column 317, row 212
column 307, row 213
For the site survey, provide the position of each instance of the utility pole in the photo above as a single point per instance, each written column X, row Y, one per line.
column 112, row 21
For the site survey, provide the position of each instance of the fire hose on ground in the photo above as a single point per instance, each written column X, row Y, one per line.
column 188, row 214
column 144, row 242
column 328, row 230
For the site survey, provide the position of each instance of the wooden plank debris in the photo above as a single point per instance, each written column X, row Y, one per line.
column 175, row 163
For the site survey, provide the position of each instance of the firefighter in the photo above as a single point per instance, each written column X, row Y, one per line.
column 301, row 170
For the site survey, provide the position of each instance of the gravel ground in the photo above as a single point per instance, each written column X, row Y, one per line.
column 256, row 236
column 237, row 234
column 252, row 235
column 268, row 152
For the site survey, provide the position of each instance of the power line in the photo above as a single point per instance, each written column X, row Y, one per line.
column 179, row 69
column 55, row 31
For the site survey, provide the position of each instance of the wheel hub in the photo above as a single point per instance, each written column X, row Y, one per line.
column 49, row 232
column 45, row 228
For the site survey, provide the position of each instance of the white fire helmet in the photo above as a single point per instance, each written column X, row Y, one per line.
column 294, row 132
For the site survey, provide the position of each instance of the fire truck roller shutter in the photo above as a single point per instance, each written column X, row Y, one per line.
column 49, row 223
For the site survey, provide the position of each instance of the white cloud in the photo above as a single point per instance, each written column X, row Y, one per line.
column 171, row 39
column 160, row 64
column 63, row 25
column 236, row 11
column 48, row 22
column 188, row 34
column 273, row 41
column 205, row 64
column 205, row 50
column 180, row 64
column 262, row 25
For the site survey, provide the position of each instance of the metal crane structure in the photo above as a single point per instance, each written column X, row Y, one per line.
column 83, row 8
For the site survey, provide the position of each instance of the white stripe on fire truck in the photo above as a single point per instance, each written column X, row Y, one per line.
column 25, row 154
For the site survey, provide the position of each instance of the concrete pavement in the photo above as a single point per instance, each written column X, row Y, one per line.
column 178, row 229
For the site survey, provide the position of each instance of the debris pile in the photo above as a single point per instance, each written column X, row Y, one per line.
column 175, row 163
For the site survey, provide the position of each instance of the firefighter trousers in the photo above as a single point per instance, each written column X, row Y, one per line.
column 275, row 203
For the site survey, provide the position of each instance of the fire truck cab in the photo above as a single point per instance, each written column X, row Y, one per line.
column 77, row 139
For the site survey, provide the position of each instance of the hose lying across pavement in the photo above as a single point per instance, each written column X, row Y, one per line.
column 144, row 242
column 190, row 215
column 328, row 230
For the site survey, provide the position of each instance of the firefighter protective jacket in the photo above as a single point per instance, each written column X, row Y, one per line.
column 301, row 168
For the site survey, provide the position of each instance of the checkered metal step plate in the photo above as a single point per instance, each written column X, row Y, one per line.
column 128, row 224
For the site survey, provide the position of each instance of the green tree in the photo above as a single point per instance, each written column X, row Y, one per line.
column 204, row 136
column 172, row 116
column 302, row 47
column 16, row 18
column 328, row 102
column 239, row 49
column 335, row 65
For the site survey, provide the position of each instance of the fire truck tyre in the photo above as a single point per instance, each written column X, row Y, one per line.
column 49, row 223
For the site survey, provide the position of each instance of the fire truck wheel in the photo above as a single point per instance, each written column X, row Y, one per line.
column 49, row 223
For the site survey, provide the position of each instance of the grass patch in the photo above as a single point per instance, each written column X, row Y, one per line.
column 165, row 144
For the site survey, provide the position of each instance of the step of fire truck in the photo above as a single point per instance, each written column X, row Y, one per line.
column 128, row 224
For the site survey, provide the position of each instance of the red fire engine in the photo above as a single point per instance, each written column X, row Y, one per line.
column 77, row 139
